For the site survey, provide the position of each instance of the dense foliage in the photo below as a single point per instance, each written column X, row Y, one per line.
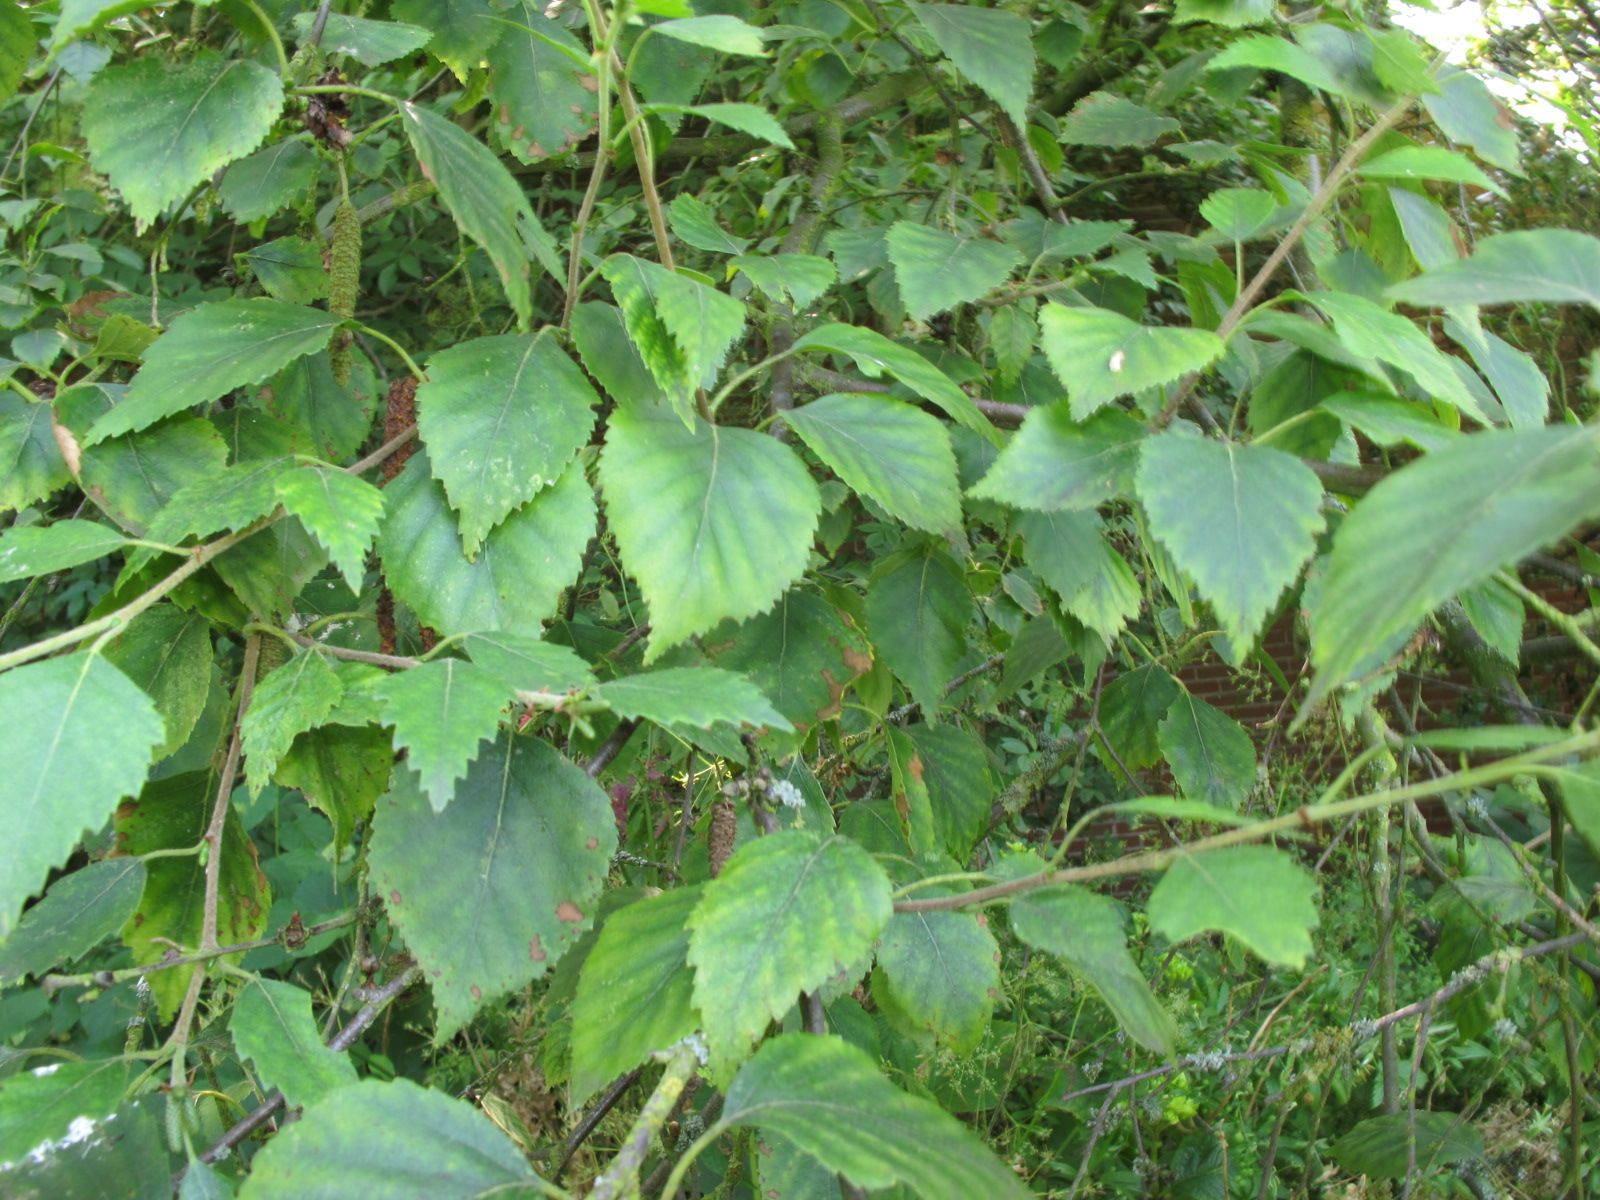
column 608, row 600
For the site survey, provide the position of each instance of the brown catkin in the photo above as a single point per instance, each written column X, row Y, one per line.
column 724, row 820
column 344, row 282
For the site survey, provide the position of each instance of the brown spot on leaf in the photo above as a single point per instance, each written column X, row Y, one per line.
column 592, row 844
column 569, row 912
column 589, row 82
column 914, row 765
column 535, row 950
column 477, row 992
column 394, row 897
column 520, row 132
column 535, row 150
column 505, row 115
column 856, row 660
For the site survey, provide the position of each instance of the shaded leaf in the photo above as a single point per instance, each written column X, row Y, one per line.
column 1055, row 462
column 540, row 100
column 1104, row 119
column 342, row 511
column 27, row 550
column 828, row 1098
column 371, row 43
column 990, row 46
column 1381, row 1147
column 273, row 1026
column 1210, row 754
column 1554, row 265
column 390, row 1139
column 167, row 652
column 342, row 772
column 942, row 970
column 1441, row 524
column 698, row 696
column 492, row 892
column 634, row 994
column 79, row 912
column 918, row 608
column 519, row 572
column 76, row 736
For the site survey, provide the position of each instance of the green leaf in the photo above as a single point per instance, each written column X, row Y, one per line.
column 698, row 696
column 1389, row 421
column 442, row 713
column 156, row 129
column 943, row 970
column 524, row 664
column 484, row 199
column 909, row 793
column 1089, row 933
column 634, row 995
column 463, row 30
column 132, row 478
column 1132, row 708
column 1580, row 793
column 602, row 340
column 76, row 736
column 80, row 16
column 211, row 350
column 1557, row 266
column 341, row 771
column 877, row 355
column 1095, row 583
column 681, row 328
column 789, row 912
column 1238, row 520
column 723, row 33
column 491, row 893
column 40, row 1106
column 1259, row 895
column 1521, row 386
column 695, row 222
column 174, row 814
column 955, row 770
column 1054, row 462
column 27, row 550
column 749, row 119
column 1264, row 52
column 918, row 609
column 797, row 279
column 891, row 452
column 268, row 180
column 991, row 47
column 1367, row 329
column 1210, row 754
column 342, row 511
column 289, row 269
column 392, row 1139
column 1381, row 1147
column 17, row 42
column 517, row 577
column 79, row 912
column 296, row 696
column 1497, row 614
column 1428, row 162
column 802, row 655
column 936, row 271
column 540, row 100
column 502, row 418
column 371, row 43
column 273, row 1025
column 1238, row 214
column 713, row 522
column 1105, row 119
column 31, row 466
column 828, row 1098
column 1438, row 525
column 167, row 652
column 1101, row 355
column 1233, row 14
column 1468, row 113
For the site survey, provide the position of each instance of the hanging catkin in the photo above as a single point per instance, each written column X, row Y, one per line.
column 344, row 281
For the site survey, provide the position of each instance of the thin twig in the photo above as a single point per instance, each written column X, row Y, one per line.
column 592, row 1118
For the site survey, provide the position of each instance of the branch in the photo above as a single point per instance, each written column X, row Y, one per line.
column 1303, row 818
column 621, row 1178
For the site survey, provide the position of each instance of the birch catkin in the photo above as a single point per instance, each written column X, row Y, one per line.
column 344, row 281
